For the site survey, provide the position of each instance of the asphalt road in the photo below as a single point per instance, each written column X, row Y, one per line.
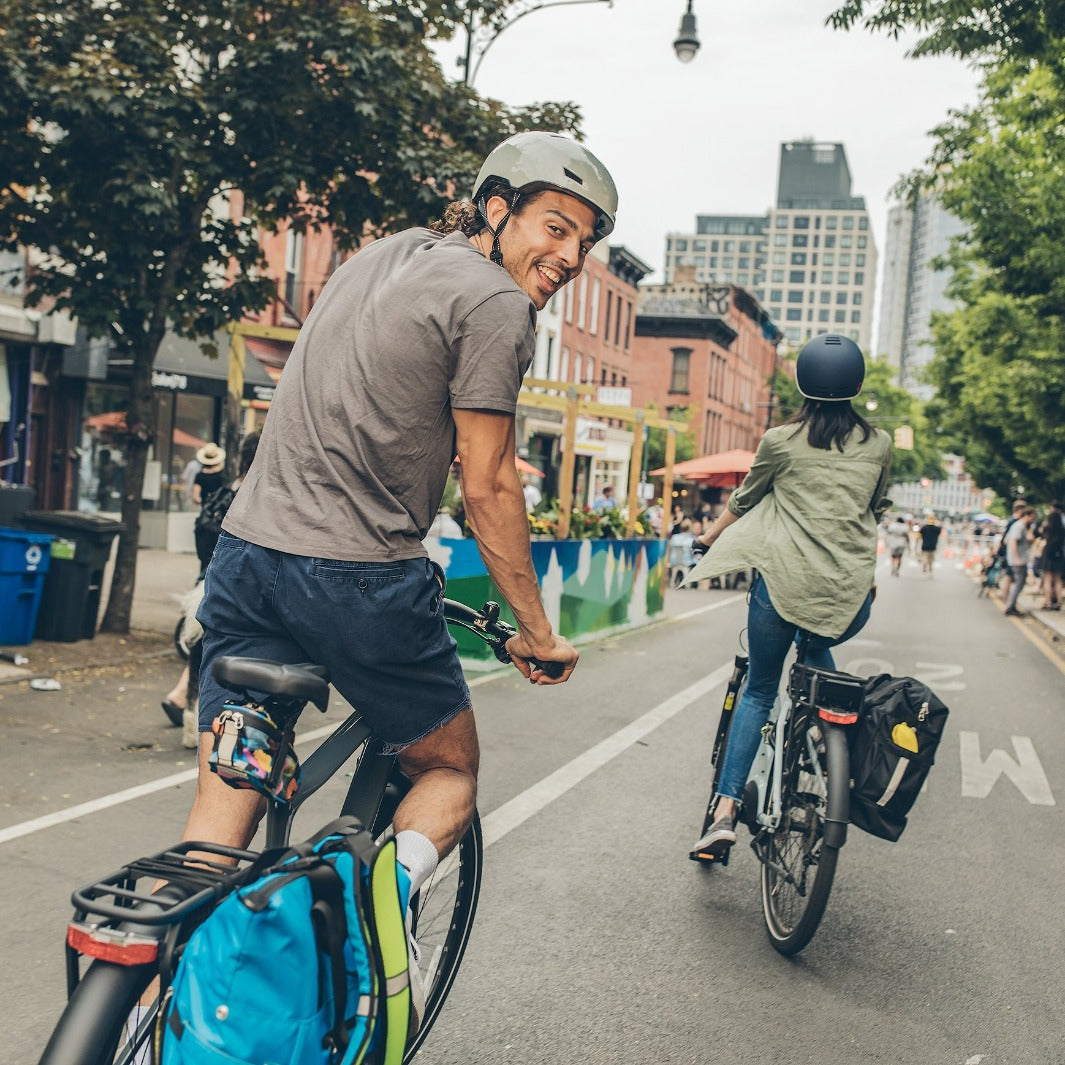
column 597, row 940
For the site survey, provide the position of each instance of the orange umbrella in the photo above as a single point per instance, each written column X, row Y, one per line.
column 724, row 470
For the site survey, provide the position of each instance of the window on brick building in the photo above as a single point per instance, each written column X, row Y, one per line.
column 678, row 381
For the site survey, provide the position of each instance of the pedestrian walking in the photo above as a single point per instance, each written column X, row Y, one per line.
column 1053, row 557
column 1017, row 542
column 929, row 534
column 896, row 540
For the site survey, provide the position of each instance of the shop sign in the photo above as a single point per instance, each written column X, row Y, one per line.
column 175, row 382
column 591, row 438
column 614, row 397
column 260, row 393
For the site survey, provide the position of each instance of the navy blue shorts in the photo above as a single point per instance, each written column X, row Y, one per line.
column 378, row 627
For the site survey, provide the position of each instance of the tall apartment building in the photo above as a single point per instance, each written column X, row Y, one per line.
column 822, row 256
column 912, row 290
column 810, row 260
column 724, row 249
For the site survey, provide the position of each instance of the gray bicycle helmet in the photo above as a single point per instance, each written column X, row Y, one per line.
column 538, row 160
column 830, row 367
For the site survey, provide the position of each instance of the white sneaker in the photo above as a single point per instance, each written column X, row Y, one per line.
column 417, row 983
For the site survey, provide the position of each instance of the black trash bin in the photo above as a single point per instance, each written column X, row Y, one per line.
column 70, row 602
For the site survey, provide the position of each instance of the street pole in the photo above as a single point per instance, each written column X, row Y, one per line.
column 526, row 8
column 634, row 475
column 569, row 459
column 667, row 482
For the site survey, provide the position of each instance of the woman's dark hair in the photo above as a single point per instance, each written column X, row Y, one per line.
column 828, row 423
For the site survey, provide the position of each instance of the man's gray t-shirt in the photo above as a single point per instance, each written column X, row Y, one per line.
column 356, row 449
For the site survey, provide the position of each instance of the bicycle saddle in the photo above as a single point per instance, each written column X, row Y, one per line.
column 246, row 675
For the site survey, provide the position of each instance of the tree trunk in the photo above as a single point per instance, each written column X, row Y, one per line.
column 140, row 434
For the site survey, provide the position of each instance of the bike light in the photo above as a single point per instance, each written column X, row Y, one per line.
column 837, row 717
column 110, row 944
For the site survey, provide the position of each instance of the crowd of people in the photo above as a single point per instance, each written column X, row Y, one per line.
column 1028, row 547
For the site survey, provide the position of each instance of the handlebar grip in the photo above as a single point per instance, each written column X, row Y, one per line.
column 553, row 669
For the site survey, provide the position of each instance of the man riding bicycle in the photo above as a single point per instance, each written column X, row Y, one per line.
column 414, row 351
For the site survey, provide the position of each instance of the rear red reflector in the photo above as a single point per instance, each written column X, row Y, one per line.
column 107, row 944
column 837, row 717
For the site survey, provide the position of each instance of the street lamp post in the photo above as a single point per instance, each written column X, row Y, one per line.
column 480, row 36
column 686, row 44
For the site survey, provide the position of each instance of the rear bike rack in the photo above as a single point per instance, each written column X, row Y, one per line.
column 140, row 924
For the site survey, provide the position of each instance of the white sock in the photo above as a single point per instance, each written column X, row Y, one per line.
column 417, row 855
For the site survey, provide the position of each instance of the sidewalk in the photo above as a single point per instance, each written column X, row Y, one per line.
column 163, row 577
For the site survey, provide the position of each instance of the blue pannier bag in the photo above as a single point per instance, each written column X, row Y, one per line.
column 305, row 965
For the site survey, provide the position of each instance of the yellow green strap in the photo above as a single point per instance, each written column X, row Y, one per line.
column 392, row 939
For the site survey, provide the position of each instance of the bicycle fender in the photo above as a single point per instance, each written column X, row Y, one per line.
column 837, row 812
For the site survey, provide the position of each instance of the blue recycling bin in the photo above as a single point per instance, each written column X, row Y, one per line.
column 24, row 559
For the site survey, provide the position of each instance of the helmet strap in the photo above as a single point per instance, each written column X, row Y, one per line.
column 496, row 255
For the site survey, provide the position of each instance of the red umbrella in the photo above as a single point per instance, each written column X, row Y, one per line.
column 723, row 470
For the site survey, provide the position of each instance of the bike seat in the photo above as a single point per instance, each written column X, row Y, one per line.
column 245, row 675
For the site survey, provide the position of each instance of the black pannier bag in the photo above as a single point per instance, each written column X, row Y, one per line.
column 892, row 748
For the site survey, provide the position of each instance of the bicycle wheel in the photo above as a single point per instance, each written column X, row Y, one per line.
column 92, row 1028
column 443, row 914
column 798, row 866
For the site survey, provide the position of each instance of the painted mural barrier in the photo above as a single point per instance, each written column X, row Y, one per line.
column 589, row 587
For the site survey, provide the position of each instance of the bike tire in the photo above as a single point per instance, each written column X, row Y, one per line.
column 798, row 866
column 90, row 1029
column 443, row 913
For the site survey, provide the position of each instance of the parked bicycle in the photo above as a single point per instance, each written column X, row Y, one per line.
column 131, row 932
column 796, row 800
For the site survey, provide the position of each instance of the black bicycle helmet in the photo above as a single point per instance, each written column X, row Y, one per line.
column 830, row 367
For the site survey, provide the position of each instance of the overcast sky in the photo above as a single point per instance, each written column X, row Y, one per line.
column 704, row 137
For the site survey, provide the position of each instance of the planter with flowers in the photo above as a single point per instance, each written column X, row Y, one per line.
column 594, row 582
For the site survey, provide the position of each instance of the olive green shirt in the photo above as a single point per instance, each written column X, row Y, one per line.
column 808, row 523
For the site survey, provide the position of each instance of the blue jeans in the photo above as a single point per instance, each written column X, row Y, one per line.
column 769, row 638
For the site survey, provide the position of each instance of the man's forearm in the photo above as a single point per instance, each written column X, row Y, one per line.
column 499, row 523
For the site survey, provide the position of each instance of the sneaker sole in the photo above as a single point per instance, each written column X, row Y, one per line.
column 713, row 851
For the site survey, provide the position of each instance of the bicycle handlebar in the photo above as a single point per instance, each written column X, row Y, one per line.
column 485, row 623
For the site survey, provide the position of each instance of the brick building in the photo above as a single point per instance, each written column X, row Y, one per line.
column 710, row 349
column 585, row 335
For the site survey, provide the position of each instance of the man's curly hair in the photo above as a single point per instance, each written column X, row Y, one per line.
column 462, row 216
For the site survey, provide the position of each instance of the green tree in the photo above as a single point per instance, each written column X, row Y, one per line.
column 888, row 407
column 126, row 124
column 999, row 366
column 1003, row 29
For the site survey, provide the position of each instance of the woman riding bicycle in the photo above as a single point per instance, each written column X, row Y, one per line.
column 806, row 518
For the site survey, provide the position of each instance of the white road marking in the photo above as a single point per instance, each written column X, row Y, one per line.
column 705, row 609
column 978, row 775
column 530, row 802
column 83, row 809
column 935, row 674
column 546, row 791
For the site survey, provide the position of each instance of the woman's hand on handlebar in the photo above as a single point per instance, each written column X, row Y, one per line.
column 528, row 661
